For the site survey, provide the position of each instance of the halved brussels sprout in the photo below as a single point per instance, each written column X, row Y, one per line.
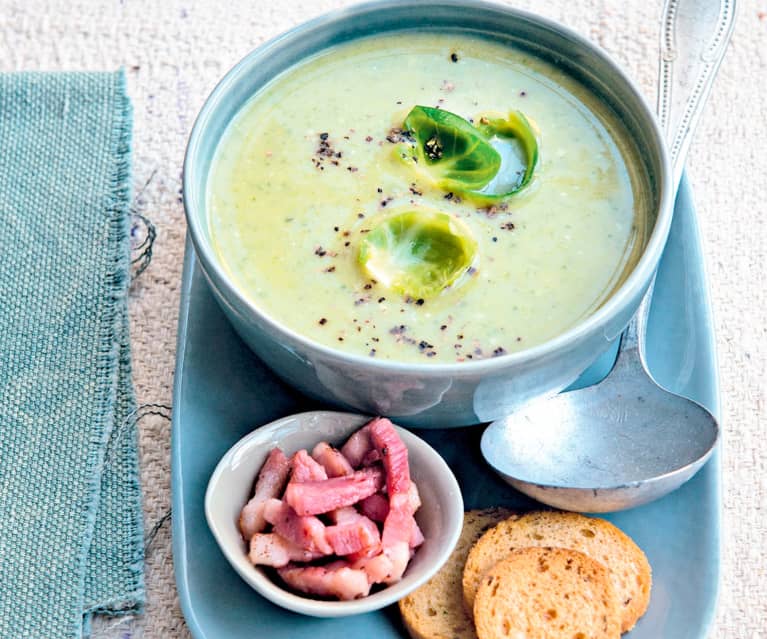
column 417, row 253
column 460, row 157
column 454, row 153
column 515, row 127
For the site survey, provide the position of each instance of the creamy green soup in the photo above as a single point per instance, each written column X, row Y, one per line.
column 309, row 166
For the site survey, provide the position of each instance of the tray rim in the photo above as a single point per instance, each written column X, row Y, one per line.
column 177, row 484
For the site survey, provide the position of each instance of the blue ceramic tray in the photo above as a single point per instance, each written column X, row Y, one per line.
column 222, row 392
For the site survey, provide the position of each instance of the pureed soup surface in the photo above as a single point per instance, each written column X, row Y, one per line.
column 305, row 170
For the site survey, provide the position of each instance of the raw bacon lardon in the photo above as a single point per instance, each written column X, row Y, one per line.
column 305, row 532
column 270, row 483
column 357, row 446
column 305, row 468
column 317, row 497
column 400, row 530
column 270, row 549
column 336, row 579
column 353, row 536
column 376, row 507
column 345, row 520
column 394, row 455
column 332, row 460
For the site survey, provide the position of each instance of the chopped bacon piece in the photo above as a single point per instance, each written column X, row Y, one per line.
column 378, row 568
column 270, row 482
column 365, row 553
column 377, row 473
column 336, row 579
column 399, row 555
column 376, row 507
column 371, row 457
column 306, row 532
column 416, row 536
column 398, row 525
column 344, row 515
column 305, row 468
column 414, row 496
column 356, row 446
column 353, row 536
column 315, row 497
column 394, row 454
column 334, row 463
column 270, row 549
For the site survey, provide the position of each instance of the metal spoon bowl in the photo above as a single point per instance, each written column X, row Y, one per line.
column 573, row 452
column 627, row 440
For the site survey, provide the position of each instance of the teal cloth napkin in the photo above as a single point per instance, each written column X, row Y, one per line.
column 71, row 534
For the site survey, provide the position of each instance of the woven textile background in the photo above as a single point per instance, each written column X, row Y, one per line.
column 174, row 53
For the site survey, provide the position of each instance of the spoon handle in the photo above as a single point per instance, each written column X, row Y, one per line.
column 693, row 41
column 694, row 37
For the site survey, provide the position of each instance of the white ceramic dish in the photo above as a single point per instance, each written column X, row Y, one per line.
column 440, row 516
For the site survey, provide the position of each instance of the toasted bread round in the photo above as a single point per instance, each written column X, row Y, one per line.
column 547, row 593
column 435, row 610
column 597, row 538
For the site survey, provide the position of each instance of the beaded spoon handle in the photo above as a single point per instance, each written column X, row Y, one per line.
column 693, row 41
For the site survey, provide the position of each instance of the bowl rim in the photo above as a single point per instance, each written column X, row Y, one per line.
column 640, row 276
column 280, row 596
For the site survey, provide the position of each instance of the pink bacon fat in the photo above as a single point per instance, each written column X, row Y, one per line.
column 379, row 568
column 414, row 496
column 332, row 460
column 270, row 483
column 399, row 555
column 357, row 446
column 305, row 468
column 376, row 507
column 316, row 497
column 399, row 523
column 394, row 455
column 353, row 536
column 271, row 549
column 337, row 579
column 416, row 535
column 343, row 515
column 305, row 532
column 400, row 529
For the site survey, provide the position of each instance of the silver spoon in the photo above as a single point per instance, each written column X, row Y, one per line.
column 626, row 440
